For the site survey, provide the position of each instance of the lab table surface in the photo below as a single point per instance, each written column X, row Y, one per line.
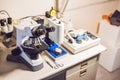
column 17, row 71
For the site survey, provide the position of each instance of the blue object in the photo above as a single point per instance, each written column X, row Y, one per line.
column 81, row 37
column 53, row 47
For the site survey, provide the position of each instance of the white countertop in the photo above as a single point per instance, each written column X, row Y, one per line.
column 15, row 71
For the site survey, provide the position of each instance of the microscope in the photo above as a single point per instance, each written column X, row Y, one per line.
column 56, row 37
column 30, row 42
column 33, row 38
column 7, row 29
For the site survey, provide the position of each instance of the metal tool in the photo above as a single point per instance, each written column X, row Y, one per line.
column 49, row 64
column 58, row 65
column 52, row 63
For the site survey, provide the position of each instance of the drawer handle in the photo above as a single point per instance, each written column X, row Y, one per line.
column 83, row 65
column 83, row 72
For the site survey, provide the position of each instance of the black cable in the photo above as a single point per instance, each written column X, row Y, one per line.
column 4, row 12
column 31, row 17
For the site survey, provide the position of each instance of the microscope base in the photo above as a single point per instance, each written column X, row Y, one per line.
column 33, row 68
column 19, row 59
column 12, row 58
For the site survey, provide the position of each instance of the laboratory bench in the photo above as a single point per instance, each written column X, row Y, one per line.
column 80, row 66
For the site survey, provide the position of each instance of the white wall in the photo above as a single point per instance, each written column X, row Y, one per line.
column 80, row 12
column 88, row 16
column 119, row 5
column 22, row 8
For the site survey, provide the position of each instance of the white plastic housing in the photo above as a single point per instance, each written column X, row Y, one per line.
column 58, row 34
column 110, row 34
column 110, row 59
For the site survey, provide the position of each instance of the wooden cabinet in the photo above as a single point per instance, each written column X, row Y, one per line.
column 83, row 71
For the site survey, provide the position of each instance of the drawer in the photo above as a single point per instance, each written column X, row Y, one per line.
column 84, row 74
column 82, row 65
column 87, row 63
column 74, row 76
column 89, row 73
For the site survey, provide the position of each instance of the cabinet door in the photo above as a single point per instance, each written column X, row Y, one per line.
column 74, row 76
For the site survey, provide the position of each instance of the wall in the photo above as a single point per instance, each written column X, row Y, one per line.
column 22, row 8
column 88, row 16
column 119, row 5
column 83, row 13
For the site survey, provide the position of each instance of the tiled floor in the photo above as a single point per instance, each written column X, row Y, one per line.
column 103, row 74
